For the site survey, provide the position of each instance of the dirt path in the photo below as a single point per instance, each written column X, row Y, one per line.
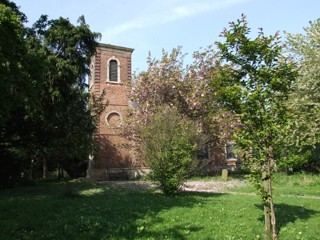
column 213, row 186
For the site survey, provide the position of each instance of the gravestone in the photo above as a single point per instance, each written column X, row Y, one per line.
column 224, row 175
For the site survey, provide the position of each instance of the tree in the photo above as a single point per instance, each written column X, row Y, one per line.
column 254, row 83
column 161, row 130
column 159, row 85
column 17, row 89
column 45, row 111
column 169, row 82
column 13, row 80
column 169, row 144
column 65, row 123
column 304, row 102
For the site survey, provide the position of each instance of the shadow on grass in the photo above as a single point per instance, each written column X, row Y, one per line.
column 95, row 211
column 286, row 214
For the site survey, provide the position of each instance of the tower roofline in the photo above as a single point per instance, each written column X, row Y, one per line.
column 104, row 45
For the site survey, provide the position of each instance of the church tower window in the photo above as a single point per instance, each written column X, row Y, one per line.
column 113, row 70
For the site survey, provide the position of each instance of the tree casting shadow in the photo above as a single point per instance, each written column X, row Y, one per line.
column 286, row 214
column 106, row 212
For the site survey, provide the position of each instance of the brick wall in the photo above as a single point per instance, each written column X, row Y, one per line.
column 114, row 149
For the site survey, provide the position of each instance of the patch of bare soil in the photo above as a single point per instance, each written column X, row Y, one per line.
column 213, row 186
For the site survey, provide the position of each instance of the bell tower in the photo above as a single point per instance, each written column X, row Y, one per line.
column 111, row 72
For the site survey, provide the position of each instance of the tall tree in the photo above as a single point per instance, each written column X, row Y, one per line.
column 45, row 110
column 13, row 80
column 254, row 82
column 65, row 123
column 17, row 88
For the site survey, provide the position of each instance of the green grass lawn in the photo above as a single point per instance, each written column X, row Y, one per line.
column 299, row 184
column 99, row 211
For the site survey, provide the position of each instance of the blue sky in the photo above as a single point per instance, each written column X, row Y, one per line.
column 153, row 25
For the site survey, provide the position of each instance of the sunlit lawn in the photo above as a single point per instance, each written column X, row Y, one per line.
column 100, row 211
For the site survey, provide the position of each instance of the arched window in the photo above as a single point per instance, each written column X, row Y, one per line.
column 113, row 70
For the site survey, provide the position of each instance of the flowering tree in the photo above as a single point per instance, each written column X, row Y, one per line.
column 168, row 83
column 159, row 85
column 188, row 88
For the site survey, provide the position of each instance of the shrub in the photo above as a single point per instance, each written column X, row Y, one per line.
column 306, row 159
column 169, row 143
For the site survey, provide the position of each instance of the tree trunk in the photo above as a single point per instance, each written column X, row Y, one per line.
column 60, row 172
column 45, row 169
column 31, row 169
column 269, row 212
column 267, row 222
column 272, row 212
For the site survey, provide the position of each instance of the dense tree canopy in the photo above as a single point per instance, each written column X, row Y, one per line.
column 14, row 79
column 66, row 50
column 45, row 114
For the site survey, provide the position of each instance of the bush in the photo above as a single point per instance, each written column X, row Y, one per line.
column 304, row 159
column 293, row 161
column 169, row 144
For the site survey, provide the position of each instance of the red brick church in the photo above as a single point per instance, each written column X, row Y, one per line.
column 111, row 72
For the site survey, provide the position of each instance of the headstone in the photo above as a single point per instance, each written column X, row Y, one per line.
column 224, row 175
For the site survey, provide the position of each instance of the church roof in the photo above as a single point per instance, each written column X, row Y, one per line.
column 110, row 46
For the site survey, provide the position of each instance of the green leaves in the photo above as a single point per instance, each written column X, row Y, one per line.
column 255, row 79
column 254, row 84
column 44, row 110
column 304, row 102
column 168, row 146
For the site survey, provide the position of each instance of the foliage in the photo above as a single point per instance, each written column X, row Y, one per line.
column 49, row 119
column 64, row 113
column 169, row 82
column 160, row 85
column 293, row 160
column 13, row 60
column 254, row 83
column 109, row 211
column 17, row 84
column 304, row 102
column 169, row 144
